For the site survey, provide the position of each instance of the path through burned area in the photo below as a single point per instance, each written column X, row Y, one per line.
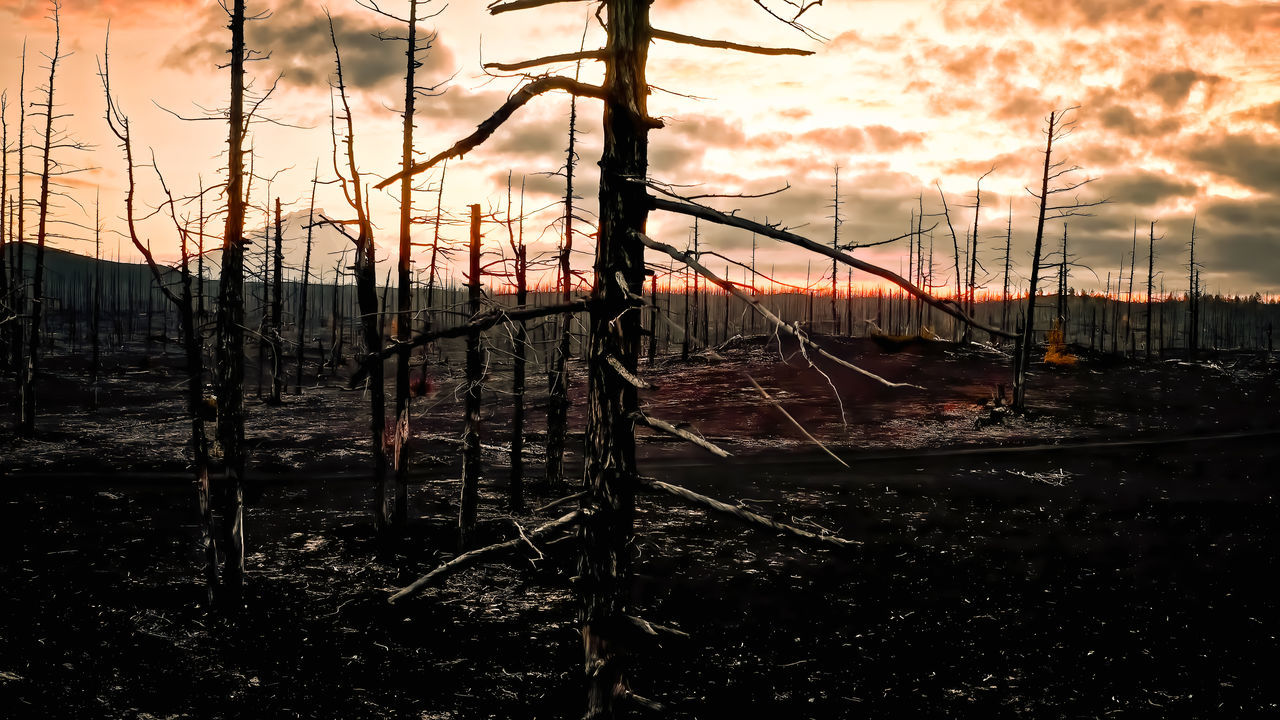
column 996, row 576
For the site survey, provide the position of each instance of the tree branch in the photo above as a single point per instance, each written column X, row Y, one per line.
column 500, row 116
column 724, row 44
column 715, row 216
column 476, row 324
column 768, row 315
column 547, row 60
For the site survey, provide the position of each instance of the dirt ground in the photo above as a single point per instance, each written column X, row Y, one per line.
column 1109, row 555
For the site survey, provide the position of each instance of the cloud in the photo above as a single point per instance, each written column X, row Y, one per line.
column 1143, row 188
column 1122, row 120
column 1243, row 158
column 294, row 38
column 1173, row 87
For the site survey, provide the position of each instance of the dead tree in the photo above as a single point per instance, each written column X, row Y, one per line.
column 7, row 313
column 835, row 243
column 184, row 303
column 611, row 478
column 27, row 384
column 471, row 468
column 1151, row 266
column 366, row 290
column 1008, row 250
column 558, row 380
column 1061, row 313
column 306, row 277
column 1193, row 298
column 1057, row 126
column 970, row 305
column 230, row 325
column 404, row 291
column 277, row 311
column 17, row 243
column 520, row 258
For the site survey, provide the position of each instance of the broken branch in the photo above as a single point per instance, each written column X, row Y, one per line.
column 743, row 514
column 549, row 59
column 795, row 422
column 724, row 44
column 670, row 429
column 477, row 324
column 779, row 322
column 715, row 216
column 470, row 558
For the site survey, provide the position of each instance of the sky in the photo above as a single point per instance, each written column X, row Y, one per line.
column 1178, row 116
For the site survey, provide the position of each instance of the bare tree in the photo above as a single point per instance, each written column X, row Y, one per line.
column 184, row 302
column 27, row 384
column 471, row 469
column 1058, row 125
column 366, row 288
column 230, row 324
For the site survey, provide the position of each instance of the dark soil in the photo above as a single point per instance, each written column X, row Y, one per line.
column 1110, row 555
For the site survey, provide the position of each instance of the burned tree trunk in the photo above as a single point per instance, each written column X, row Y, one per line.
column 230, row 322
column 1151, row 266
column 277, row 311
column 27, row 388
column 404, row 291
column 1023, row 359
column 471, row 423
column 611, row 479
column 558, row 385
column 366, row 295
column 306, row 277
column 516, row 490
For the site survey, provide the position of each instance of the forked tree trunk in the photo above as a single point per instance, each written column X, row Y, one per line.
column 1022, row 359
column 604, row 565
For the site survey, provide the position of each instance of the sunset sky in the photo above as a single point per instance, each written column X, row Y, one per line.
column 1179, row 114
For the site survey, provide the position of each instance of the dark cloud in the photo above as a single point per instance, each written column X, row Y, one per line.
column 1243, row 158
column 1123, row 120
column 1200, row 16
column 295, row 39
column 1143, row 188
column 1266, row 113
column 1173, row 87
column 1237, row 240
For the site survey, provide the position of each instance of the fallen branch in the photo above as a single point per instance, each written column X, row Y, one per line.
column 561, row 501
column 711, row 215
column 649, row 628
column 471, row 557
column 768, row 315
column 477, row 324
column 743, row 514
column 626, row 374
column 795, row 422
column 670, row 429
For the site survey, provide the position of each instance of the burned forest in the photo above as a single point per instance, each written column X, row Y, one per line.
column 631, row 358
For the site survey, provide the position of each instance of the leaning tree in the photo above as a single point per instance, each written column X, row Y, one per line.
column 605, row 516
